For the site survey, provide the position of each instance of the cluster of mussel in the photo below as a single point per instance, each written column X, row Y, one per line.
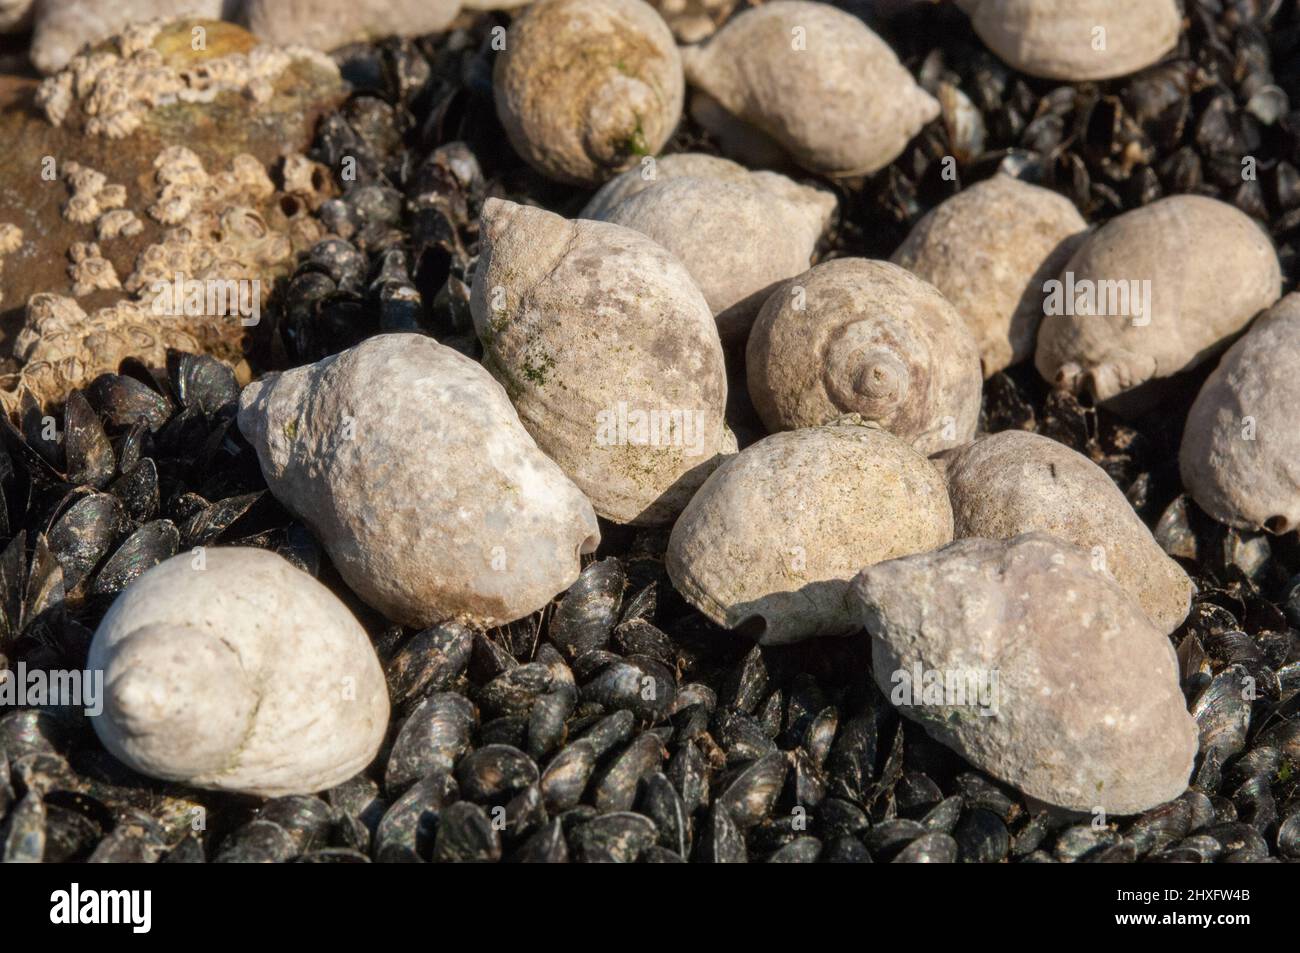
column 586, row 391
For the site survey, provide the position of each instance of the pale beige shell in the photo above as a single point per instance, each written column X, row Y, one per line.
column 788, row 69
column 1208, row 269
column 1017, row 482
column 772, row 539
column 738, row 236
column 586, row 87
column 608, row 351
column 865, row 337
column 1240, row 457
column 232, row 669
column 1077, row 40
column 989, row 249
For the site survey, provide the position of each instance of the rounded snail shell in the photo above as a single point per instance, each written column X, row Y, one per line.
column 237, row 671
column 585, row 87
column 787, row 68
column 869, row 338
column 771, row 541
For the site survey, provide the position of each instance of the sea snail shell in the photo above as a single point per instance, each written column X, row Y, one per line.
column 236, row 671
column 585, row 87
column 770, row 542
column 865, row 337
column 737, row 235
column 989, row 249
column 407, row 461
column 1077, row 40
column 609, row 352
column 1240, row 457
column 1153, row 292
column 787, row 68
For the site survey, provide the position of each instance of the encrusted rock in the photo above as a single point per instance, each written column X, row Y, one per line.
column 231, row 669
column 409, row 464
column 1035, row 667
column 63, row 27
column 1014, row 482
column 786, row 69
column 1151, row 293
column 1240, row 457
column 989, row 249
column 769, row 543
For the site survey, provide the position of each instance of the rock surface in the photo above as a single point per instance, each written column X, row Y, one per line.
column 231, row 669
column 1014, row 482
column 769, row 543
column 989, row 249
column 1086, row 708
column 408, row 463
column 1240, row 456
column 63, row 27
column 327, row 24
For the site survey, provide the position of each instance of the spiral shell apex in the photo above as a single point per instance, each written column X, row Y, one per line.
column 585, row 87
column 238, row 672
column 865, row 337
column 787, row 68
column 609, row 352
column 772, row 539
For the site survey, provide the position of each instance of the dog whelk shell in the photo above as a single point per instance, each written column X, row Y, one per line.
column 1015, row 482
column 232, row 669
column 769, row 543
column 609, row 352
column 865, row 337
column 989, row 249
column 1240, row 457
column 407, row 461
column 738, row 236
column 1153, row 292
column 787, row 68
column 584, row 87
column 1035, row 667
column 1077, row 40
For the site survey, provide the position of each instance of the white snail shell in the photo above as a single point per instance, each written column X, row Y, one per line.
column 234, row 670
column 407, row 461
column 769, row 543
column 739, row 233
column 865, row 337
column 787, row 68
column 1208, row 269
column 609, row 352
column 1077, row 40
column 1015, row 482
column 1240, row 457
column 585, row 87
column 989, row 249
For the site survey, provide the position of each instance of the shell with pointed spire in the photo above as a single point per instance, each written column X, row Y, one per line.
column 586, row 87
column 787, row 69
column 869, row 338
column 609, row 352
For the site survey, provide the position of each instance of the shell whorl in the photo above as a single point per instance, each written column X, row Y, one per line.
column 869, row 372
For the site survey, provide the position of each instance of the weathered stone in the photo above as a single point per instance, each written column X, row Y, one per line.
column 408, row 463
column 1083, row 704
column 234, row 670
column 1240, row 457
column 327, row 24
column 1016, row 482
column 63, row 27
